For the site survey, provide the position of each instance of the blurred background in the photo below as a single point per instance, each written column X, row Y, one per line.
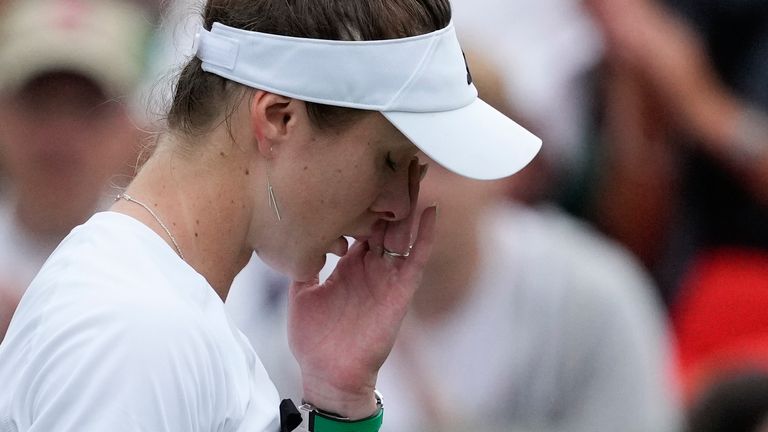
column 618, row 283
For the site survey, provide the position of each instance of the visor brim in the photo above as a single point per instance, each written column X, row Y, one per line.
column 475, row 141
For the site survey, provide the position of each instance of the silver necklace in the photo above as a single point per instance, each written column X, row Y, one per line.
column 129, row 198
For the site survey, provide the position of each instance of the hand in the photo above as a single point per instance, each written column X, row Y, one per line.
column 342, row 331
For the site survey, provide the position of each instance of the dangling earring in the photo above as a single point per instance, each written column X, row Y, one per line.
column 272, row 200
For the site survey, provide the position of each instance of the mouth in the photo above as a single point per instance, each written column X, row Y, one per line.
column 340, row 246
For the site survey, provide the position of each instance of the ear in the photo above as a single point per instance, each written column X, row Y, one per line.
column 272, row 117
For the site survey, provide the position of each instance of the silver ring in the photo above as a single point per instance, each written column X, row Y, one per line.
column 388, row 252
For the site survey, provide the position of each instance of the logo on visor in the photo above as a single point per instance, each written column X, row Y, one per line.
column 469, row 74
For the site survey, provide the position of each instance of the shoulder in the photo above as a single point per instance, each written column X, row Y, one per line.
column 103, row 356
column 597, row 305
column 99, row 338
column 114, row 257
column 585, row 278
column 103, row 314
column 574, row 249
column 114, row 288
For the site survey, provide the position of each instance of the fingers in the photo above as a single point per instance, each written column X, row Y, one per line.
column 407, row 270
column 298, row 286
column 425, row 239
column 398, row 236
column 376, row 240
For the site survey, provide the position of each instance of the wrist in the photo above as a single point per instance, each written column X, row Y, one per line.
column 354, row 404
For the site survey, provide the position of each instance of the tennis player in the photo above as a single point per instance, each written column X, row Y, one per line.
column 296, row 124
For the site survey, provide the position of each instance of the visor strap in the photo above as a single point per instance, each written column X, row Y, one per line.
column 216, row 50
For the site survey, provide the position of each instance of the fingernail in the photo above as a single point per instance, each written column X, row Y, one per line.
column 436, row 205
column 423, row 171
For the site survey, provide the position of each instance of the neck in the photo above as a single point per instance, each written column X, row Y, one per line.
column 200, row 200
column 448, row 277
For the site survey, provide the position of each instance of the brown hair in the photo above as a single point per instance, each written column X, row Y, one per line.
column 200, row 97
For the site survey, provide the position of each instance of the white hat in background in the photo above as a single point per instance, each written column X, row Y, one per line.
column 103, row 40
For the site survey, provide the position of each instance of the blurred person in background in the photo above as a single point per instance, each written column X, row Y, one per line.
column 686, row 184
column 685, row 169
column 526, row 320
column 566, row 329
column 66, row 68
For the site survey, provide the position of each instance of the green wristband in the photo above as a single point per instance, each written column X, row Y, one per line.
column 321, row 423
column 315, row 420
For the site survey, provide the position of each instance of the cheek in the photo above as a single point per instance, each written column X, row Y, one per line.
column 340, row 193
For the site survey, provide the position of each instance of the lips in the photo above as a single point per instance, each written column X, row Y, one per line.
column 340, row 246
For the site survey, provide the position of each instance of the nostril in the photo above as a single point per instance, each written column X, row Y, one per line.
column 390, row 216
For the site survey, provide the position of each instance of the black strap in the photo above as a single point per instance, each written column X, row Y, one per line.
column 290, row 417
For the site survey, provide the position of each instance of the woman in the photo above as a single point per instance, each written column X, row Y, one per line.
column 124, row 328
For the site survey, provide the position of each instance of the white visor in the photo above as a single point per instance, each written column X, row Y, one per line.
column 421, row 84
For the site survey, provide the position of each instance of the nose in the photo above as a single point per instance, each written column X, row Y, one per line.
column 394, row 201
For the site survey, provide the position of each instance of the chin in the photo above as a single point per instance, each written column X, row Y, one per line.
column 304, row 269
column 308, row 270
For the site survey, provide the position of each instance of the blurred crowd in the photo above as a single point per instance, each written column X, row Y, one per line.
column 618, row 283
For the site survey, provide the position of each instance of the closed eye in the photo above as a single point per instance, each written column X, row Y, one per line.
column 390, row 162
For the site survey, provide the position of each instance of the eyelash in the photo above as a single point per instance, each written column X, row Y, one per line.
column 391, row 163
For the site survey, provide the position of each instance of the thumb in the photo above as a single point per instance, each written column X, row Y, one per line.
column 298, row 286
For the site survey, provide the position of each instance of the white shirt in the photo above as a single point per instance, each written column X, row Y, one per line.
column 117, row 333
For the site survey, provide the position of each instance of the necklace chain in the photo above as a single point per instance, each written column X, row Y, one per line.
column 129, row 198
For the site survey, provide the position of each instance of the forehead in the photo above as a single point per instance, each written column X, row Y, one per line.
column 379, row 132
